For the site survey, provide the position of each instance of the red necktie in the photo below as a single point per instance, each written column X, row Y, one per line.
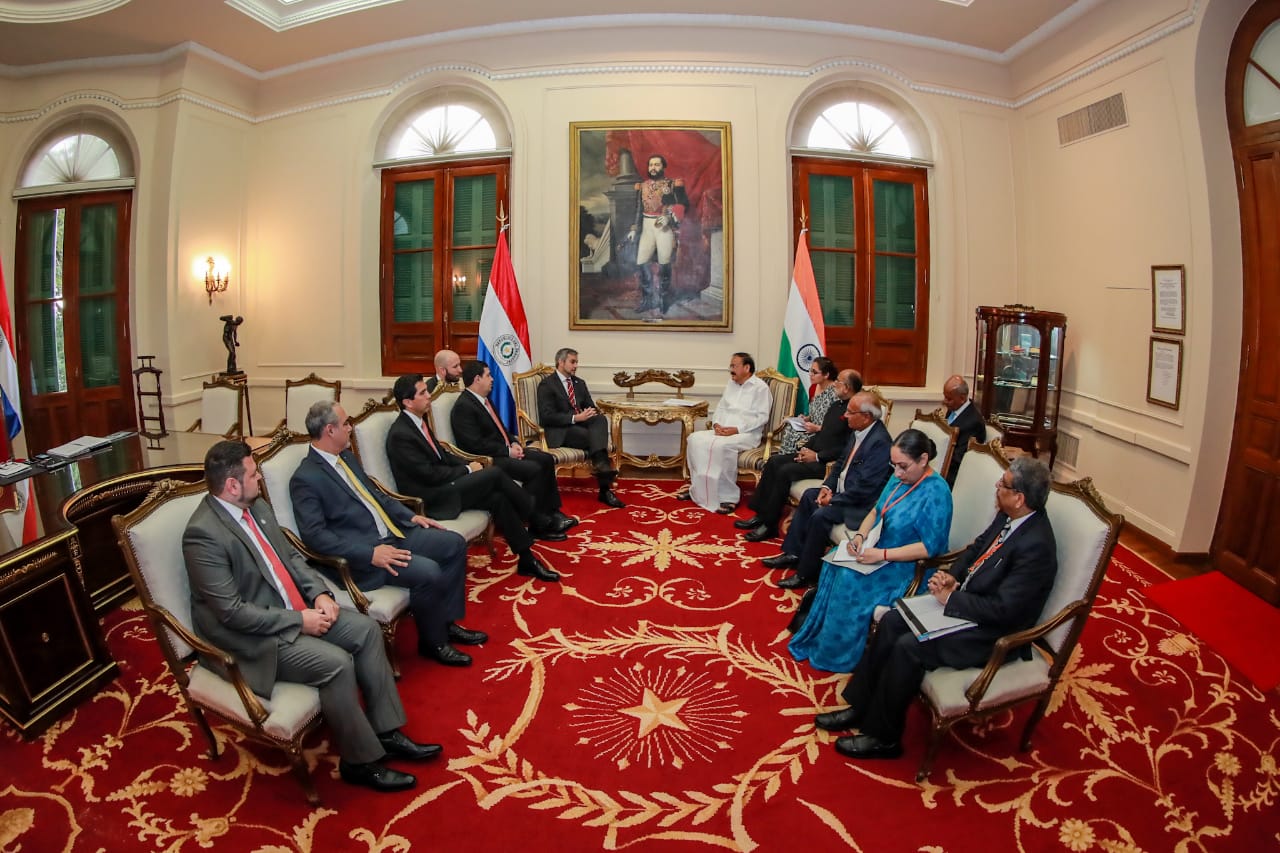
column 497, row 422
column 573, row 401
column 431, row 441
column 286, row 580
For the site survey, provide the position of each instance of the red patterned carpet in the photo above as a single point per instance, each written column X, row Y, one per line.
column 648, row 700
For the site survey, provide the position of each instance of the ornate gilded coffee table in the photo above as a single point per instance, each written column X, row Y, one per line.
column 650, row 409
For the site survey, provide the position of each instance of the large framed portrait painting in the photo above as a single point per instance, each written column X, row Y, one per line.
column 651, row 230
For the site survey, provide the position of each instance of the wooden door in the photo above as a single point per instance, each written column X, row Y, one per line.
column 1246, row 542
column 439, row 233
column 72, row 307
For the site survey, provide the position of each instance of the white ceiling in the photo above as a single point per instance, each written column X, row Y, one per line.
column 268, row 35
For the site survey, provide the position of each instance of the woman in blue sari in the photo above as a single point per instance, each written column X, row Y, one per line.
column 914, row 514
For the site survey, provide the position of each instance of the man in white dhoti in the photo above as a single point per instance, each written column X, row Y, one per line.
column 737, row 424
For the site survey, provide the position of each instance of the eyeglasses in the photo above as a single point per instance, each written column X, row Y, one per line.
column 1001, row 484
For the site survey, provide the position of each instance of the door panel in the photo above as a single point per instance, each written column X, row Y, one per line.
column 73, row 310
column 1246, row 539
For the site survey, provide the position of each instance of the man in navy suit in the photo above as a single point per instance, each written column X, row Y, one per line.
column 254, row 596
column 477, row 429
column 339, row 511
column 965, row 417
column 846, row 496
column 1001, row 582
column 448, row 484
column 569, row 418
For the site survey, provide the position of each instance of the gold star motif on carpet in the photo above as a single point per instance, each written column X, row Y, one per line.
column 661, row 549
column 653, row 712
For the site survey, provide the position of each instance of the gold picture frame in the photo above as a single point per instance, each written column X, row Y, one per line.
column 680, row 220
column 1164, row 372
column 1169, row 299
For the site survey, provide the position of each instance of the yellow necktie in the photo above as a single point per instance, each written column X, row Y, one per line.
column 368, row 498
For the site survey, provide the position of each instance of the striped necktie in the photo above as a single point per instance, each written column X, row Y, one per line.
column 368, row 499
column 995, row 546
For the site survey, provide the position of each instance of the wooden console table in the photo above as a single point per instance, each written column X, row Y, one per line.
column 650, row 409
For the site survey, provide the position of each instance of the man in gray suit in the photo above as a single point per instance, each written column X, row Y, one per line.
column 255, row 597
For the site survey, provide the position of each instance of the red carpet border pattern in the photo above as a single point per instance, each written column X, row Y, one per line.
column 648, row 701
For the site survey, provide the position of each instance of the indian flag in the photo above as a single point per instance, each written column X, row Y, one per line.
column 804, row 337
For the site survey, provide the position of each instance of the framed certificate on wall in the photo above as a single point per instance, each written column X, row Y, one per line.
column 1164, row 372
column 1169, row 299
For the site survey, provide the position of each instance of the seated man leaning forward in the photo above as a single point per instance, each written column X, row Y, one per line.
column 736, row 425
column 1001, row 582
column 845, row 497
column 914, row 519
column 826, row 433
column 569, row 418
column 340, row 512
column 449, row 484
column 477, row 429
column 255, row 597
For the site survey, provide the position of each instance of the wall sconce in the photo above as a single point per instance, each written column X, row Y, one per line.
column 217, row 275
column 459, row 283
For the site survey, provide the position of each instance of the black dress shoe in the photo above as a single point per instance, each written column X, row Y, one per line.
column 532, row 567
column 608, row 498
column 760, row 534
column 375, row 776
column 398, row 745
column 748, row 523
column 447, row 655
column 727, row 509
column 548, row 534
column 684, row 496
column 837, row 721
column 465, row 636
column 561, row 523
column 865, row 746
column 781, row 561
column 795, row 582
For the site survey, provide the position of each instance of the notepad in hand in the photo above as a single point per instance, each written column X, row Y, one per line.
column 841, row 557
column 925, row 617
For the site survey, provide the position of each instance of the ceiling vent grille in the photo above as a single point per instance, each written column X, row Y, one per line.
column 1107, row 114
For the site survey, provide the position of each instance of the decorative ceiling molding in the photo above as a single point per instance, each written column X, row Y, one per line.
column 277, row 14
column 53, row 11
column 1119, row 53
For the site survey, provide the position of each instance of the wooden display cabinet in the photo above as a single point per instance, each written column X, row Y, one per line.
column 1018, row 374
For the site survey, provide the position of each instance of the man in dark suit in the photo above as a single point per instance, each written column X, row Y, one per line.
column 448, row 484
column 478, row 430
column 807, row 463
column 964, row 416
column 448, row 370
column 339, row 511
column 1001, row 582
column 255, row 597
column 570, row 419
column 846, row 496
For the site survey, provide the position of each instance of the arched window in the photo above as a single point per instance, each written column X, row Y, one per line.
column 71, row 288
column 859, row 176
column 445, row 173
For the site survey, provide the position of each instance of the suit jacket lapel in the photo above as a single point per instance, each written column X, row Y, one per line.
column 237, row 530
column 331, row 473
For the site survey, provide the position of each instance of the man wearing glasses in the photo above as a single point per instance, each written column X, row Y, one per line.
column 1001, row 582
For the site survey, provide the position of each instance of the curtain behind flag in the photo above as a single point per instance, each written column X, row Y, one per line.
column 504, row 333
column 804, row 337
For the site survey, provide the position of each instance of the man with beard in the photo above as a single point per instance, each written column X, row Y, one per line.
column 656, row 224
